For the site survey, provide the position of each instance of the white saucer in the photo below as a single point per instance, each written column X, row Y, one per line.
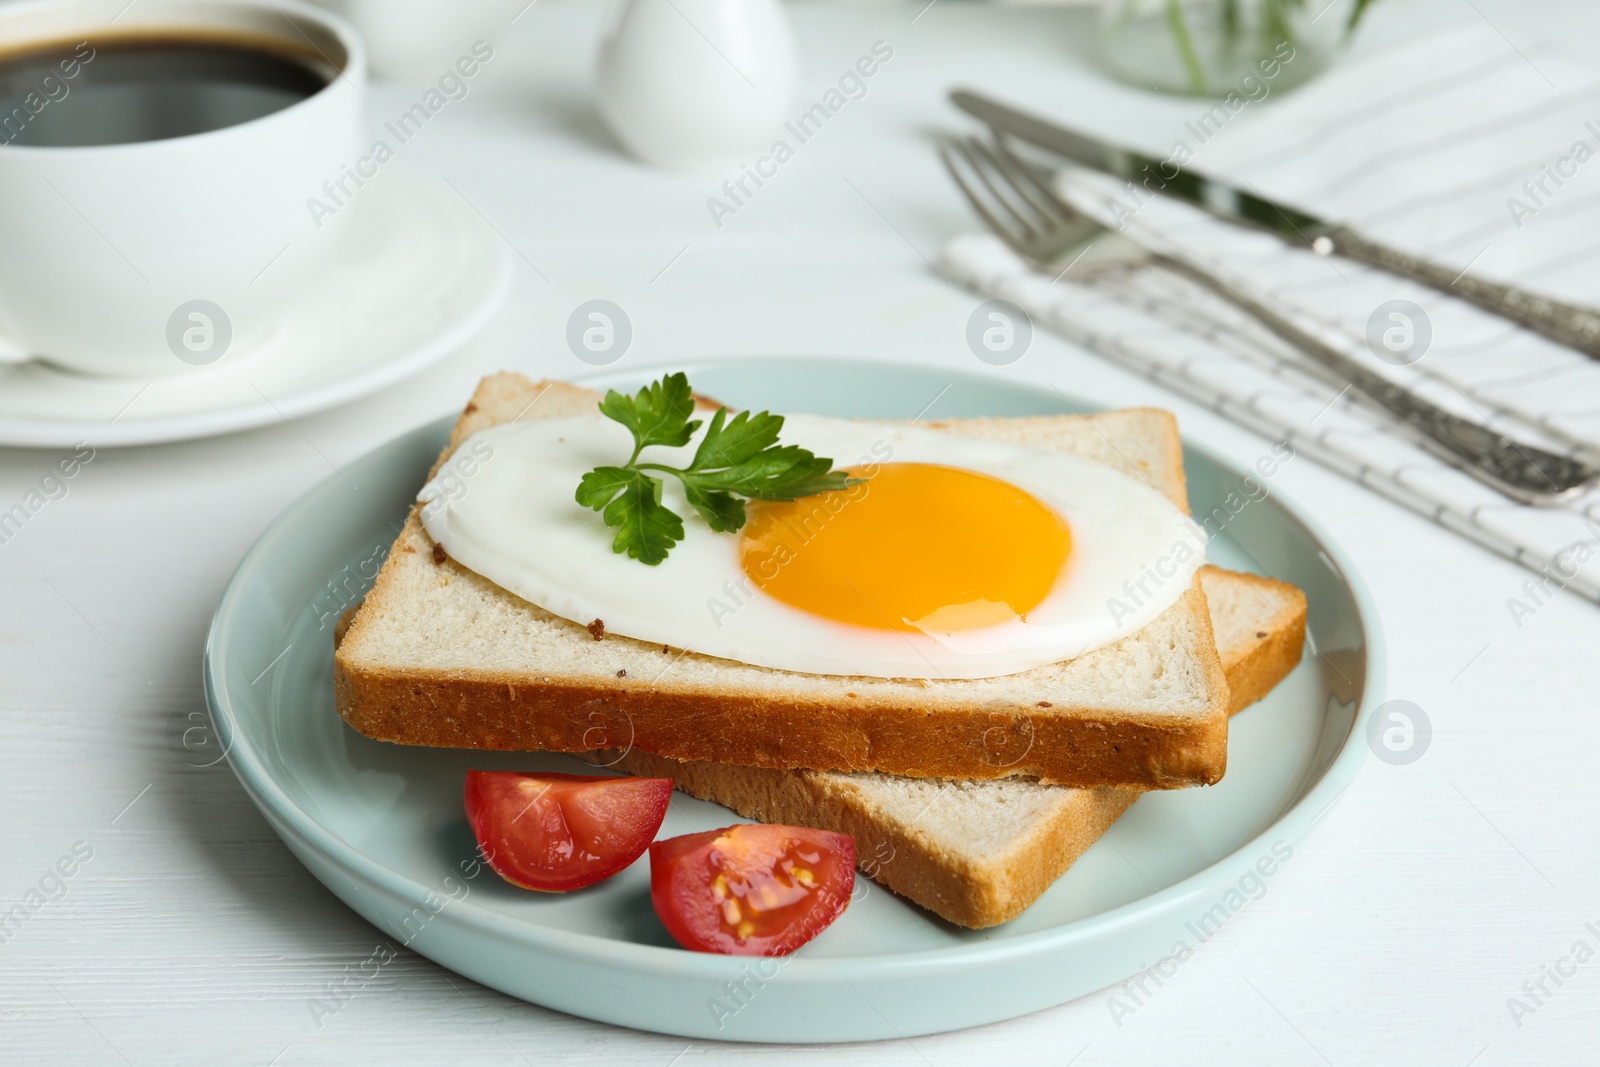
column 420, row 274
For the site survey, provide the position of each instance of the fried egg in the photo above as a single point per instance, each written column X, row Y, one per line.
column 952, row 556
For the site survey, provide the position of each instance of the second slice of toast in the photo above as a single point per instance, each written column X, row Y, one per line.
column 979, row 853
column 438, row 655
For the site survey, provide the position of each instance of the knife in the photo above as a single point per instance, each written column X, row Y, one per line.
column 1566, row 324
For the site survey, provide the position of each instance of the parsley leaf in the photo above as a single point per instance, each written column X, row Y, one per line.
column 630, row 500
column 722, row 511
column 659, row 415
column 737, row 457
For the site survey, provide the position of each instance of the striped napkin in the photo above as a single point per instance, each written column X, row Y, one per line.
column 1466, row 148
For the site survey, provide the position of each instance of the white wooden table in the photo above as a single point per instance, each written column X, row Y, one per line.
column 1427, row 898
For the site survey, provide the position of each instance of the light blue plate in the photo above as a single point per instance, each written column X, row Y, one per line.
column 382, row 825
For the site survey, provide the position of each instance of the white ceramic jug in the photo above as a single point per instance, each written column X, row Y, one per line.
column 696, row 83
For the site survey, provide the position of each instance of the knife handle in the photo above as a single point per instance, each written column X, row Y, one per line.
column 1566, row 324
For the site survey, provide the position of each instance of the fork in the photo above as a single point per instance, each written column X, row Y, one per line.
column 1029, row 216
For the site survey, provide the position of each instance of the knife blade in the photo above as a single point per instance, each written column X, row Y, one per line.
column 1151, row 172
column 1566, row 324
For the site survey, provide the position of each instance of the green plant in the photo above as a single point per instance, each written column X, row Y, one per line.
column 737, row 457
column 1274, row 25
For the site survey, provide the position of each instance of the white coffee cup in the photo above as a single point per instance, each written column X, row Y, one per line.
column 156, row 257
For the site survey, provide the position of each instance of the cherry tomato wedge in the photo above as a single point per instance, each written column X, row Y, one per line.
column 751, row 890
column 555, row 832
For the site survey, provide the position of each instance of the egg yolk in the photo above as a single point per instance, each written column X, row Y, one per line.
column 915, row 546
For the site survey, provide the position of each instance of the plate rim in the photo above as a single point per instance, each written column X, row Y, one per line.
column 1294, row 823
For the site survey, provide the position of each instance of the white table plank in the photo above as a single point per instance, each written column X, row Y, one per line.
column 1396, row 935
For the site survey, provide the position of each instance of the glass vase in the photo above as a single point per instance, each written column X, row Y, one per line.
column 1214, row 48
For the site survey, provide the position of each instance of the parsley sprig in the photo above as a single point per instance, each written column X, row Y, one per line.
column 737, row 457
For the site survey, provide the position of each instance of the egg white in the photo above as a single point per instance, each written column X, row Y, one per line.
column 503, row 507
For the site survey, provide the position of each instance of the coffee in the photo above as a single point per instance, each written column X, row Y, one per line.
column 124, row 90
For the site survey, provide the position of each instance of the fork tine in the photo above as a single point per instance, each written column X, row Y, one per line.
column 1045, row 214
column 1014, row 241
column 1005, row 193
column 1057, row 209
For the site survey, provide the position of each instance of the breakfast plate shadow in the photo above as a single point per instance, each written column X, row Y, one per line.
column 419, row 274
column 382, row 825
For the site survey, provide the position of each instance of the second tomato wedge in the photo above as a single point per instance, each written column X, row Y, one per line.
column 556, row 832
column 752, row 890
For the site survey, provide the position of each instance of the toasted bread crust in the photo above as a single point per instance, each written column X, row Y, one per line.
column 510, row 711
column 504, row 711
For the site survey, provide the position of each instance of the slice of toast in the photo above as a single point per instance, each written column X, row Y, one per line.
column 438, row 655
column 978, row 853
